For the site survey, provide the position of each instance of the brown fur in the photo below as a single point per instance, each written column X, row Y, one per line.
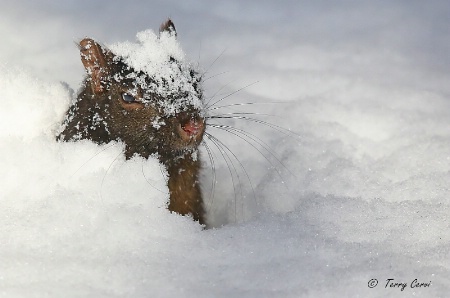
column 102, row 115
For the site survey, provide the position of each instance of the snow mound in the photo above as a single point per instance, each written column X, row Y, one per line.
column 69, row 209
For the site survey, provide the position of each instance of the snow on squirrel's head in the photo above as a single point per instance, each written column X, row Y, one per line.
column 157, row 65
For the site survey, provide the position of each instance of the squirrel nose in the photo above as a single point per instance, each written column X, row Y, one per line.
column 193, row 127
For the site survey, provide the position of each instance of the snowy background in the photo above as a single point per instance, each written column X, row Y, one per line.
column 359, row 190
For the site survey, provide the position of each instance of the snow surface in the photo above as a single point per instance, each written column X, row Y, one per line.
column 358, row 190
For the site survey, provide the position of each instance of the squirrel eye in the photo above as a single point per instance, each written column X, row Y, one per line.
column 128, row 98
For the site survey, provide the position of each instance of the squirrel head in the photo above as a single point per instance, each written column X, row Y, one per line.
column 142, row 95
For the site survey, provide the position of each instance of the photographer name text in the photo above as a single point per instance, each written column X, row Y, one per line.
column 394, row 284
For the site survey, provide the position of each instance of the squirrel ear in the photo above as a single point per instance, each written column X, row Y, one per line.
column 95, row 60
column 169, row 27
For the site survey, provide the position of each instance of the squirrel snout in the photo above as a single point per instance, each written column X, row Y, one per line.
column 192, row 128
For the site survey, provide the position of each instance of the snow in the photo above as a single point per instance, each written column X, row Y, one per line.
column 161, row 58
column 356, row 190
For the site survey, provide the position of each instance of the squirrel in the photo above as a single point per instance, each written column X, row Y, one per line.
column 118, row 102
